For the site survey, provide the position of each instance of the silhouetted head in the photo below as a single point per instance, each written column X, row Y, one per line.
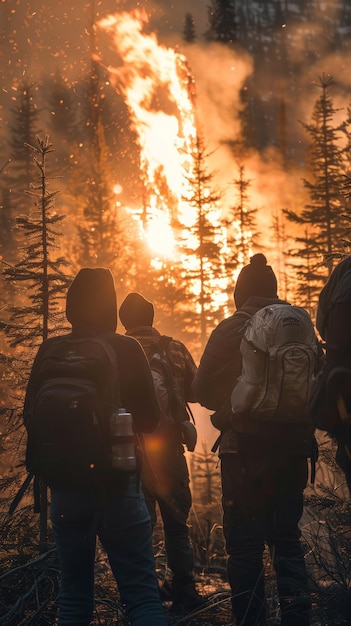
column 136, row 311
column 255, row 279
column 91, row 300
column 336, row 289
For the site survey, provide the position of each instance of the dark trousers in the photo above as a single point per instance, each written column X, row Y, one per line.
column 260, row 509
column 165, row 481
column 122, row 523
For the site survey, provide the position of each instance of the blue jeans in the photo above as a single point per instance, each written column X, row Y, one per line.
column 122, row 523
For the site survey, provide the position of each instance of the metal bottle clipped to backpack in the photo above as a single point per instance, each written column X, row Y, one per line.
column 122, row 440
column 279, row 356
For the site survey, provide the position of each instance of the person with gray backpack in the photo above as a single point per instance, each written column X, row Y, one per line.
column 257, row 374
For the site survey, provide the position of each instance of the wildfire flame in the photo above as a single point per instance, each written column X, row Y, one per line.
column 159, row 92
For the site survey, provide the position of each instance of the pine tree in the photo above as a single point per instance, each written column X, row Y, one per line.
column 322, row 215
column 96, row 212
column 23, row 130
column 306, row 271
column 247, row 116
column 347, row 215
column 243, row 21
column 204, row 257
column 242, row 234
column 242, row 220
column 222, row 22
column 279, row 249
column 97, row 216
column 279, row 14
column 347, row 130
column 170, row 292
column 7, row 248
column 160, row 275
column 40, row 268
column 63, row 112
column 189, row 34
column 43, row 285
column 92, row 151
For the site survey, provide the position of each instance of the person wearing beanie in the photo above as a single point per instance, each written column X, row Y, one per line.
column 136, row 311
column 262, row 488
column 165, row 475
column 255, row 279
column 110, row 504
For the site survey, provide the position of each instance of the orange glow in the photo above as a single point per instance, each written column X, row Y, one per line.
column 159, row 92
column 117, row 189
column 159, row 236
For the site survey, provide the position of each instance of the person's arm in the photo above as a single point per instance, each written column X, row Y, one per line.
column 136, row 384
column 338, row 336
column 190, row 370
column 338, row 354
column 220, row 365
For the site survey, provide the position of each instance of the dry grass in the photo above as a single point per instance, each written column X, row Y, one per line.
column 29, row 582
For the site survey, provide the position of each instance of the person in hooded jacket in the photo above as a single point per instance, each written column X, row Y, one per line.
column 165, row 478
column 262, row 485
column 115, row 513
column 333, row 324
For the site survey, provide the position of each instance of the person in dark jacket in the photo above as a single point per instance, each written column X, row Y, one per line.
column 116, row 513
column 333, row 324
column 262, row 485
column 165, row 478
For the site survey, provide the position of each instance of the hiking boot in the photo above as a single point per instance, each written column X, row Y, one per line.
column 186, row 599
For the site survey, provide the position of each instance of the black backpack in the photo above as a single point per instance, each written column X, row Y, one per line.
column 77, row 387
column 173, row 410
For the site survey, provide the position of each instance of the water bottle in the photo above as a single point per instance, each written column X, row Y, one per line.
column 123, row 440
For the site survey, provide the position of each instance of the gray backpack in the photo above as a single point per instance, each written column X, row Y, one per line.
column 279, row 359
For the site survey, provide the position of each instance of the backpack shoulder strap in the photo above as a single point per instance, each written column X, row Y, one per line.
column 243, row 317
column 159, row 358
column 106, row 340
column 164, row 343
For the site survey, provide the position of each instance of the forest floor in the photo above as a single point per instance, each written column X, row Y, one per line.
column 29, row 582
column 327, row 551
column 28, row 593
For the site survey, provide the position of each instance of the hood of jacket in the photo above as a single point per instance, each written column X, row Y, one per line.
column 337, row 289
column 91, row 304
column 136, row 311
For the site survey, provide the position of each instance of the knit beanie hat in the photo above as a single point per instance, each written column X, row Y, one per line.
column 91, row 300
column 255, row 279
column 136, row 311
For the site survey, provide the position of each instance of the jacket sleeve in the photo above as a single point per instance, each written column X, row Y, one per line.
column 183, row 369
column 136, row 384
column 189, row 374
column 220, row 364
column 339, row 336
